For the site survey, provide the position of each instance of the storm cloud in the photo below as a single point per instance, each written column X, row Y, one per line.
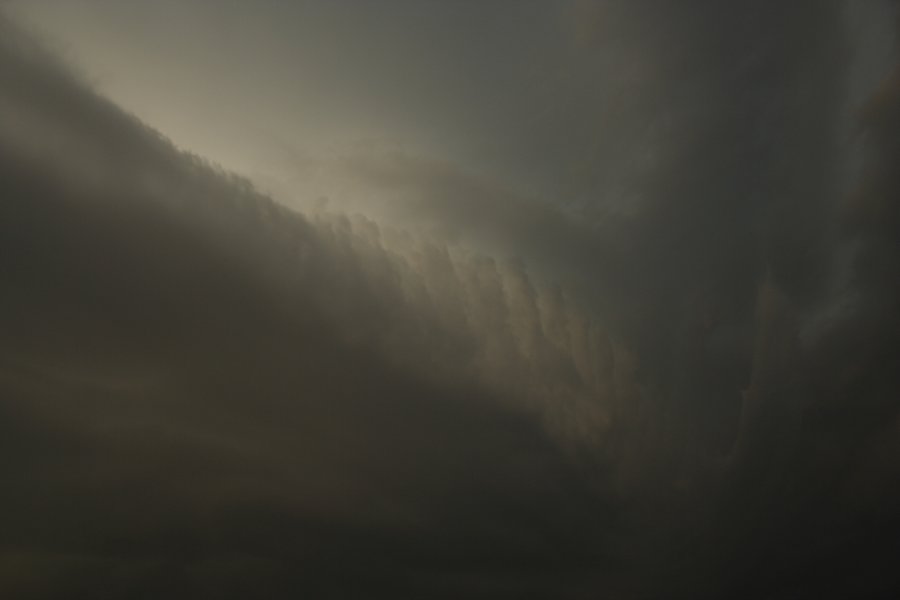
column 643, row 344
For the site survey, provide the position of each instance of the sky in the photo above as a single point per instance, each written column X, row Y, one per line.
column 431, row 299
column 325, row 79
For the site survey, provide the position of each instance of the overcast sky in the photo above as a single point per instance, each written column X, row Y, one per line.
column 425, row 299
column 476, row 84
column 552, row 101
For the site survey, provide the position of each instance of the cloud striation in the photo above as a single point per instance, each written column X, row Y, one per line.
column 207, row 394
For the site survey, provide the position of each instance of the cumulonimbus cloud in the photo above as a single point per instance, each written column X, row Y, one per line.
column 207, row 393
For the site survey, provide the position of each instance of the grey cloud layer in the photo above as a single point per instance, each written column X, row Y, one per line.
column 206, row 394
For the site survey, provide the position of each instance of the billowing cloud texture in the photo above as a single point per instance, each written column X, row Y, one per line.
column 675, row 378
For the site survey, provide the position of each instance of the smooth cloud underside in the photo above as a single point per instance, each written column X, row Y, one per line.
column 205, row 394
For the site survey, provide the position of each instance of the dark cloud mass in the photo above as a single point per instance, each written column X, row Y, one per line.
column 651, row 352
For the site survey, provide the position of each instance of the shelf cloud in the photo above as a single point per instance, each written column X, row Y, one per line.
column 632, row 336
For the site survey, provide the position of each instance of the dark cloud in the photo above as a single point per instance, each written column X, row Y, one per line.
column 202, row 395
column 694, row 394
